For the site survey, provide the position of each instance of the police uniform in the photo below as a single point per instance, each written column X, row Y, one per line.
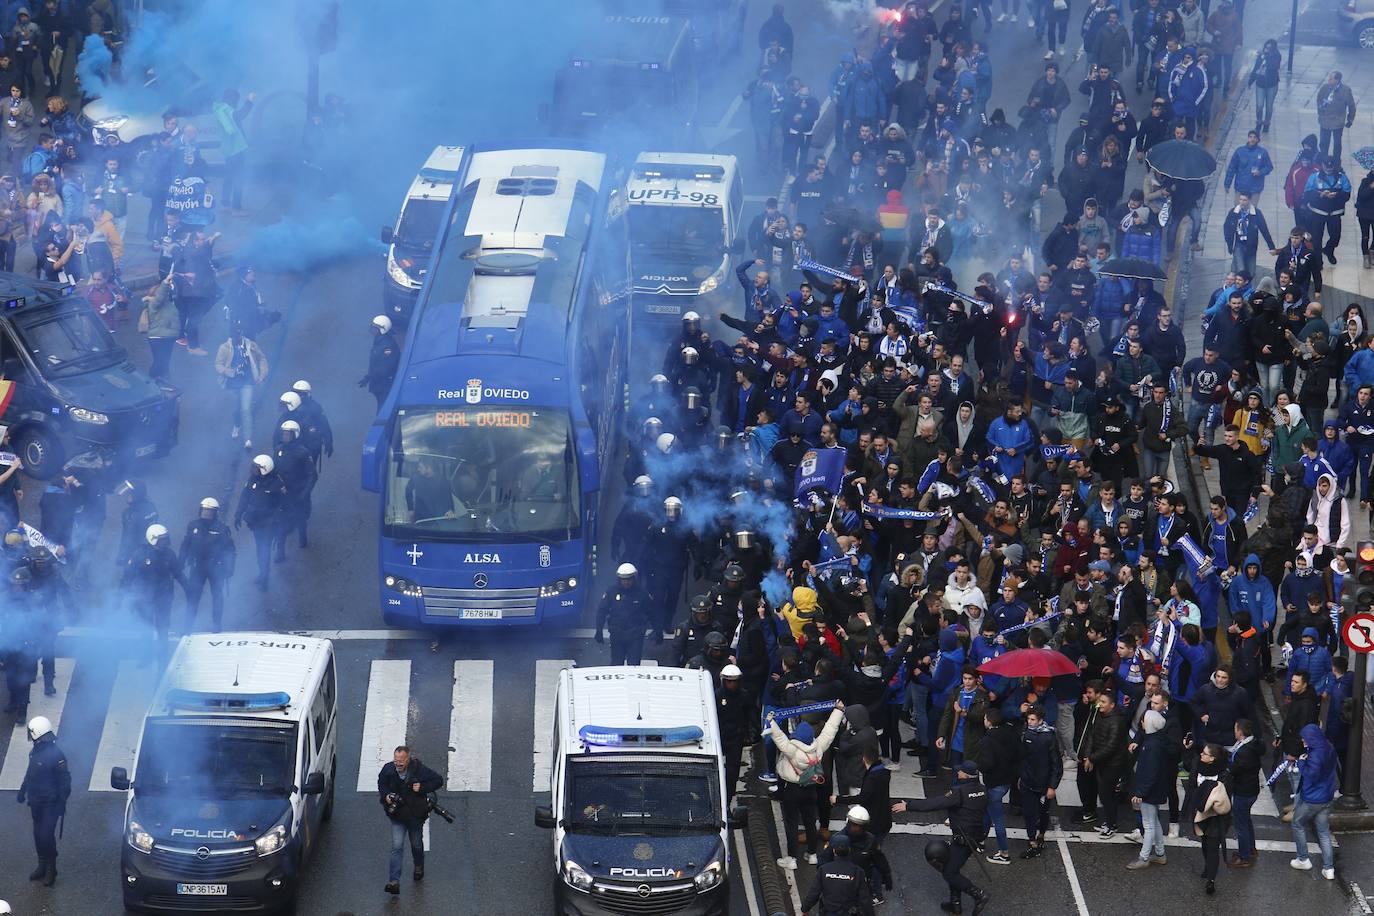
column 840, row 888
column 689, row 640
column 382, row 363
column 20, row 657
column 137, row 516
column 316, row 434
column 738, row 716
column 297, row 470
column 965, row 804
column 46, row 787
column 626, row 610
column 149, row 576
column 207, row 558
column 260, row 505
column 665, row 554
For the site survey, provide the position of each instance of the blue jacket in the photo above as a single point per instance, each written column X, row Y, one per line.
column 1005, row 436
column 757, row 302
column 984, row 650
column 1201, row 662
column 1352, row 414
column 1294, row 589
column 1314, row 659
column 1338, row 455
column 1187, row 89
column 1139, row 243
column 1360, row 369
column 1109, row 295
column 864, row 99
column 1337, row 730
column 944, row 677
column 1243, row 160
column 1008, row 615
column 1255, row 596
column 1154, row 771
column 1318, row 767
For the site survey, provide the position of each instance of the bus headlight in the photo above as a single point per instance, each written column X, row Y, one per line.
column 139, row 838
column 271, row 841
column 710, row 876
column 708, row 285
column 576, row 877
column 404, row 586
column 554, row 589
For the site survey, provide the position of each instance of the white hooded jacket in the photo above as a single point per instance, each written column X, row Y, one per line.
column 1319, row 514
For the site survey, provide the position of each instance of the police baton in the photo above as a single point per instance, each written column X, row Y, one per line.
column 974, row 853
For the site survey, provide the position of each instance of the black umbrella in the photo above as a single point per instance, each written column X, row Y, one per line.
column 1132, row 269
column 1181, row 159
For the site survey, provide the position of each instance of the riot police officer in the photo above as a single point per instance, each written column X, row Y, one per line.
column 21, row 650
column 863, row 852
column 149, row 577
column 689, row 639
column 966, row 803
column 48, row 597
column 297, row 470
column 739, row 720
column 629, row 534
column 290, row 404
column 713, row 658
column 382, row 361
column 626, row 609
column 724, row 598
column 260, row 505
column 138, row 514
column 207, row 558
column 317, row 434
column 46, row 787
column 665, row 552
column 841, row 887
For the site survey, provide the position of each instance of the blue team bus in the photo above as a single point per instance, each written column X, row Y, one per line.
column 490, row 450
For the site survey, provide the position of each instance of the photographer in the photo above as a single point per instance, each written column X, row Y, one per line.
column 241, row 366
column 402, row 786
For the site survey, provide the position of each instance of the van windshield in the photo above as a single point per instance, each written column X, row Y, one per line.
column 207, row 760
column 420, row 223
column 696, row 232
column 66, row 342
column 634, row 798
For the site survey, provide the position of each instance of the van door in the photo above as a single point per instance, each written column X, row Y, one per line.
column 309, row 804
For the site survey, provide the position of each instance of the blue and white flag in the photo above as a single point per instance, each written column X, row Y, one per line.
column 821, row 468
column 984, row 488
column 1213, row 416
column 1198, row 562
column 1026, row 626
column 791, row 712
column 892, row 512
column 928, row 476
column 1279, row 770
column 1251, row 511
column 36, row 538
column 1054, row 451
column 816, row 267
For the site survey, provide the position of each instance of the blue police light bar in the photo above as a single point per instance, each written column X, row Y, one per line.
column 15, row 303
column 640, row 737
column 228, row 702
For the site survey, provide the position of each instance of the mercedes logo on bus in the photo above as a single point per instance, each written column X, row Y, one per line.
column 480, row 580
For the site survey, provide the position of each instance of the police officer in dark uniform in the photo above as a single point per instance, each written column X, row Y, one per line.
column 20, row 648
column 260, row 505
column 713, row 658
column 207, row 558
column 864, row 852
column 841, row 887
column 316, row 433
column 629, row 534
column 724, row 598
column 665, row 552
column 383, row 361
column 689, row 639
column 134, row 521
column 297, row 470
column 966, row 803
column 48, row 598
column 47, row 786
column 626, row 608
column 739, row 722
column 149, row 577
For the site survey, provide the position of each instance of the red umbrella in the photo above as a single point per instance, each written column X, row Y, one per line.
column 1029, row 663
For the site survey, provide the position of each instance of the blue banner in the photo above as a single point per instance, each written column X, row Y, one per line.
column 816, row 267
column 886, row 512
column 821, row 468
column 1026, row 626
column 791, row 712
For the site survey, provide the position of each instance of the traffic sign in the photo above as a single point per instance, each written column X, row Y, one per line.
column 1358, row 633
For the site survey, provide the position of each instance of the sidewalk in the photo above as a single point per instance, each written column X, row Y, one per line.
column 1344, row 283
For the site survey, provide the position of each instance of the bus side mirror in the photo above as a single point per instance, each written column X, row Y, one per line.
column 314, row 784
column 386, row 235
column 543, row 817
column 119, row 779
column 373, row 452
column 736, row 247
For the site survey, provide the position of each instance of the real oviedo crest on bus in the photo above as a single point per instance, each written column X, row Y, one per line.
column 473, row 393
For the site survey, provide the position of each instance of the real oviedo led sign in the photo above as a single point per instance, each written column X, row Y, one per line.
column 475, row 391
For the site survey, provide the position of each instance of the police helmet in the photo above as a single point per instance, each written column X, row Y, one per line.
column 40, row 555
column 14, row 537
column 700, row 605
column 652, row 428
column 291, row 426
column 672, row 507
column 744, row 539
column 134, row 489
column 734, row 574
column 658, row 381
column 21, row 577
column 290, row 400
column 381, row 324
column 691, row 318
column 691, row 397
column 690, row 355
column 301, row 386
column 643, row 484
column 724, row 436
column 731, row 673
column 715, row 640
column 937, row 853
column 857, row 815
column 155, row 533
column 5, row 908
column 626, row 571
column 38, row 727
column 665, row 442
column 210, row 502
column 264, row 464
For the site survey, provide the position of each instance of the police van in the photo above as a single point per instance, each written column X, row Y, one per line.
column 637, row 794
column 684, row 219
column 234, row 775
column 410, row 243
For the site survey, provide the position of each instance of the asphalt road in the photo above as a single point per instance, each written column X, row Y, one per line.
column 493, row 860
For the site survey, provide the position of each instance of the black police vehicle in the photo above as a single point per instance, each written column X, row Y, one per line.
column 68, row 387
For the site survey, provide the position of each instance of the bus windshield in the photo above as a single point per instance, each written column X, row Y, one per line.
column 482, row 473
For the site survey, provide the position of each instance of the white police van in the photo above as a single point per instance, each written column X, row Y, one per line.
column 684, row 219
column 410, row 243
column 637, row 794
column 234, row 775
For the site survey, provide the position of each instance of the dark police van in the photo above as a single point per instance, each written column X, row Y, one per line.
column 66, row 386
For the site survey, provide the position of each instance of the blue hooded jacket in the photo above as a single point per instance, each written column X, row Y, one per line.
column 1018, row 437
column 1338, row 455
column 1314, row 659
column 1255, row 596
column 945, row 676
column 1317, row 766
column 1187, row 88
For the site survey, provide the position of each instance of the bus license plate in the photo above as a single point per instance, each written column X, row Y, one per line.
column 203, row 890
column 480, row 614
column 144, row 450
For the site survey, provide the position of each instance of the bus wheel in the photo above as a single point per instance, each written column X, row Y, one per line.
column 40, row 451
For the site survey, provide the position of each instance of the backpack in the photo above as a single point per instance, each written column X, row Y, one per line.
column 813, row 774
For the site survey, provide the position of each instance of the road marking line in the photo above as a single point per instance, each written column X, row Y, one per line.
column 1073, row 878
column 469, row 727
column 545, row 695
column 1120, row 839
column 746, row 873
column 17, row 756
column 789, row 873
column 129, row 698
column 1361, row 901
column 384, row 722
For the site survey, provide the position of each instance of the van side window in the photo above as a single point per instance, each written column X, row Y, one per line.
column 319, row 720
column 10, row 362
column 329, row 687
column 305, row 758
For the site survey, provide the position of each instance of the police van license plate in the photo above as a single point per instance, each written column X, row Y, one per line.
column 480, row 614
column 203, row 890
column 144, row 450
